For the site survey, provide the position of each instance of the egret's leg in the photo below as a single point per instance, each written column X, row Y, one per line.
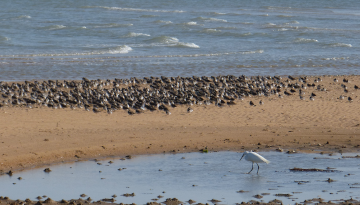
column 252, row 167
column 258, row 168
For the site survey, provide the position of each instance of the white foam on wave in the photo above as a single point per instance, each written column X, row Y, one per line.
column 132, row 34
column 56, row 27
column 336, row 58
column 341, row 45
column 168, row 41
column 283, row 29
column 4, row 38
column 294, row 22
column 211, row 19
column 270, row 25
column 163, row 22
column 305, row 40
column 217, row 13
column 115, row 50
column 210, row 30
column 119, row 50
column 191, row 23
column 163, row 40
column 24, row 17
column 113, row 25
column 206, row 54
column 140, row 10
column 189, row 45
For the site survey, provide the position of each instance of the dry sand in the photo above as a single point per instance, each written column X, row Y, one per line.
column 38, row 136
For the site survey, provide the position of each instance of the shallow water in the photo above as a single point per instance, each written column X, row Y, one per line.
column 197, row 176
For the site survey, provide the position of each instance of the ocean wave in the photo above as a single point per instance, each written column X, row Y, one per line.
column 201, row 54
column 191, row 23
column 294, row 22
column 117, row 50
column 335, row 58
column 305, row 40
column 188, row 45
column 168, row 41
column 140, row 10
column 113, row 25
column 246, row 23
column 210, row 30
column 217, row 13
column 237, row 34
column 226, row 28
column 148, row 16
column 132, row 34
column 164, row 39
column 114, row 50
column 55, row 27
column 163, row 22
column 209, row 19
column 284, row 16
column 283, row 29
column 341, row 45
column 24, row 17
column 4, row 38
column 270, row 25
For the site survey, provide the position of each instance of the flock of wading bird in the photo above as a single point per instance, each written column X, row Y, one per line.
column 154, row 93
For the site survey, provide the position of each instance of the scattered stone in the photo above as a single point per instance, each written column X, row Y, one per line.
column 129, row 195
column 47, row 170
column 258, row 196
column 285, row 195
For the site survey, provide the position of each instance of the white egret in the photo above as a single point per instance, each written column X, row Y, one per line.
column 254, row 157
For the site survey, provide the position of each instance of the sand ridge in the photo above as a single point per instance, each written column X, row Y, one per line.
column 32, row 137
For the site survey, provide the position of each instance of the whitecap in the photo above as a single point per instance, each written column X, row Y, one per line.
column 4, row 38
column 113, row 25
column 141, row 10
column 163, row 22
column 55, row 27
column 294, row 22
column 270, row 25
column 120, row 50
column 305, row 40
column 191, row 23
column 210, row 19
column 341, row 45
column 189, row 45
column 164, row 40
column 24, row 17
column 132, row 34
column 210, row 30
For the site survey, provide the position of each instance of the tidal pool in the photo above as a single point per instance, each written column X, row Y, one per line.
column 197, row 176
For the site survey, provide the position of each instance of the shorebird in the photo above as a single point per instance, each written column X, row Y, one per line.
column 254, row 158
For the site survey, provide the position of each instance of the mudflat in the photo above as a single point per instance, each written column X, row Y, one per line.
column 327, row 122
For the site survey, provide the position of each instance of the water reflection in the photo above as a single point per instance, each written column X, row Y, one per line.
column 197, row 176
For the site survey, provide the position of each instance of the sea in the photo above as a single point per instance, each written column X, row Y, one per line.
column 107, row 39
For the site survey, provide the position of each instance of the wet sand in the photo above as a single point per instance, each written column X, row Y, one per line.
column 32, row 137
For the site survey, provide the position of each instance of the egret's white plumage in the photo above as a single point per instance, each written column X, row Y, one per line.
column 254, row 158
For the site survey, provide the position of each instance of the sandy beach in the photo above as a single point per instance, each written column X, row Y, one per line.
column 37, row 136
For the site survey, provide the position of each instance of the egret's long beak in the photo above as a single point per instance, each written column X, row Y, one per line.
column 242, row 157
